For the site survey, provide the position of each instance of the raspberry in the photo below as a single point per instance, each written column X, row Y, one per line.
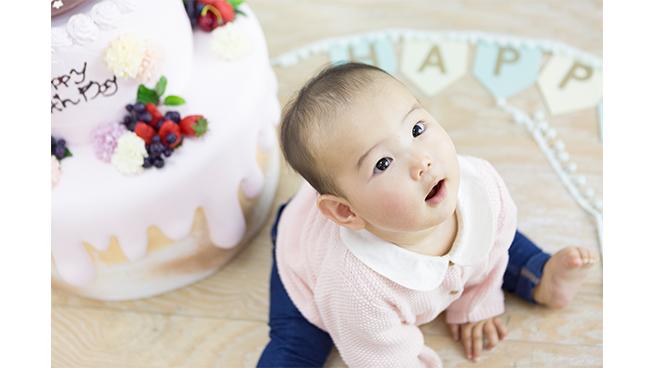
column 145, row 132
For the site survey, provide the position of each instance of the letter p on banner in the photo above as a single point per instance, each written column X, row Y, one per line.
column 568, row 85
column 506, row 71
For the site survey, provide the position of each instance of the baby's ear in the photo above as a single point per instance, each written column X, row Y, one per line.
column 338, row 210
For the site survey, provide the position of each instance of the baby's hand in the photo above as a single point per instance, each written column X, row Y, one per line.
column 471, row 334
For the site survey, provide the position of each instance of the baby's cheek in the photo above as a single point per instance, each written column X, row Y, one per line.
column 397, row 212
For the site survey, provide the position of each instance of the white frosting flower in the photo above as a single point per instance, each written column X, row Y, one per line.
column 59, row 39
column 125, row 55
column 153, row 62
column 55, row 172
column 229, row 42
column 129, row 154
column 126, row 5
column 106, row 14
column 82, row 29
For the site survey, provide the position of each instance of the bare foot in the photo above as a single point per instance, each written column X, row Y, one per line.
column 563, row 275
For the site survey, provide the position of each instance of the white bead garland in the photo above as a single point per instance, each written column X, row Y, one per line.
column 571, row 168
column 551, row 134
column 563, row 156
column 580, row 180
column 559, row 146
column 589, row 193
column 598, row 204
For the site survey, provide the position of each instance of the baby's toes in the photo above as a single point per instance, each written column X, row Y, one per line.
column 574, row 257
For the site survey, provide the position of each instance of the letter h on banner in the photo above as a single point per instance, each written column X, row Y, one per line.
column 380, row 53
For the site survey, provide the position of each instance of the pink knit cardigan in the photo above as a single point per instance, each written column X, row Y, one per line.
column 372, row 320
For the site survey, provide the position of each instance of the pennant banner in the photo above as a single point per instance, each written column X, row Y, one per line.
column 506, row 71
column 568, row 85
column 432, row 66
column 432, row 60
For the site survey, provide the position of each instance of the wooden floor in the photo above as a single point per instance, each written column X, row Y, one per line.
column 222, row 321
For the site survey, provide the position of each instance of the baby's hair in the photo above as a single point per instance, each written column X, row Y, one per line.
column 313, row 109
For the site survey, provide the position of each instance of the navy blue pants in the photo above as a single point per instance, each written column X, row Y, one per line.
column 295, row 342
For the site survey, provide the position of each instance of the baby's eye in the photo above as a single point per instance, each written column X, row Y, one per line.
column 418, row 129
column 382, row 165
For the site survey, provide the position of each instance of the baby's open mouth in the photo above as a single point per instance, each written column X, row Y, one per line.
column 434, row 190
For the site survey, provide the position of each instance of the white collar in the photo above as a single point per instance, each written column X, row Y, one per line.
column 421, row 272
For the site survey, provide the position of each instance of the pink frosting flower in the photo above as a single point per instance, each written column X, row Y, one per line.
column 153, row 62
column 55, row 171
column 105, row 138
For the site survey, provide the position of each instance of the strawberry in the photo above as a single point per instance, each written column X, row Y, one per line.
column 145, row 132
column 170, row 127
column 156, row 115
column 194, row 125
column 226, row 9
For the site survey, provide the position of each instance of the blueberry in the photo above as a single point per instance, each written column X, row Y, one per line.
column 52, row 141
column 139, row 107
column 61, row 142
column 129, row 107
column 145, row 117
column 131, row 126
column 148, row 149
column 60, row 152
column 157, row 148
column 173, row 115
column 156, row 139
column 199, row 6
column 190, row 6
column 147, row 162
column 159, row 124
column 158, row 162
column 128, row 119
column 154, row 156
column 168, row 152
column 171, row 138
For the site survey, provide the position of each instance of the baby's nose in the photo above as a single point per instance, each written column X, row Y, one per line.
column 422, row 164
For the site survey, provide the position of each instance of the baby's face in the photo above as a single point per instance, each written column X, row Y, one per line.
column 395, row 164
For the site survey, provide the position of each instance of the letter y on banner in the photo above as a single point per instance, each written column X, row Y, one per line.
column 433, row 65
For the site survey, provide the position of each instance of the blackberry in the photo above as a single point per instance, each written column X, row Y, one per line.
column 156, row 139
column 60, row 152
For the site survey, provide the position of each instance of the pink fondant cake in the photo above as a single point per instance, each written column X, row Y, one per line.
column 116, row 236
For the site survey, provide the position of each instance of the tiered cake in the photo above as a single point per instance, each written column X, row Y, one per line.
column 124, row 231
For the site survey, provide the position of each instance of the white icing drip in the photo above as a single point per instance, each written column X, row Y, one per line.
column 59, row 39
column 106, row 14
column 82, row 29
column 126, row 5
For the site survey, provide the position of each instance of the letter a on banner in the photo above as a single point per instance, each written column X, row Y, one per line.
column 506, row 71
column 568, row 85
column 432, row 66
column 380, row 53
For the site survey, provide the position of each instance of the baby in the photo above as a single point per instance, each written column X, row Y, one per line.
column 391, row 228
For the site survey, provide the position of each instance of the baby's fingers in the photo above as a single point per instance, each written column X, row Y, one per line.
column 500, row 326
column 466, row 340
column 492, row 334
column 454, row 331
column 477, row 341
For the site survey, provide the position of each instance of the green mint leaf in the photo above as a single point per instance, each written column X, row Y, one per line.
column 68, row 153
column 161, row 86
column 200, row 127
column 240, row 12
column 146, row 95
column 235, row 3
column 174, row 101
